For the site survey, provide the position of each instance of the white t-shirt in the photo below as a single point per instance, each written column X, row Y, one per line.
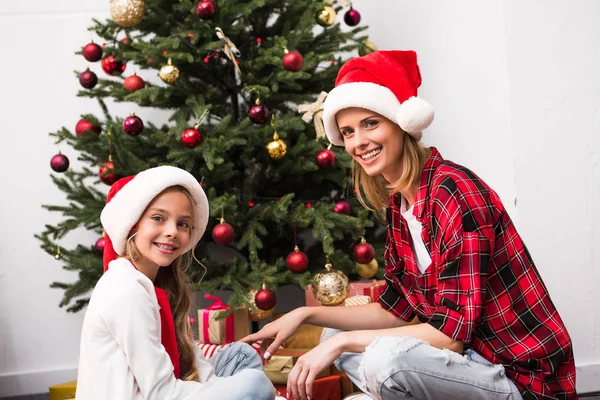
column 415, row 228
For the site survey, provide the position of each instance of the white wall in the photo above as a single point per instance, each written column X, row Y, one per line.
column 515, row 87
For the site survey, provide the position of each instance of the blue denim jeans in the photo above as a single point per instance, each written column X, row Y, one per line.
column 405, row 367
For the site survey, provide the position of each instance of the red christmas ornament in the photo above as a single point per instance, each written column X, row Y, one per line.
column 296, row 261
column 84, row 125
column 206, row 9
column 133, row 125
column 134, row 83
column 258, row 113
column 364, row 253
column 92, row 52
column 88, row 79
column 59, row 163
column 99, row 246
column 342, row 207
column 292, row 60
column 191, row 137
column 352, row 17
column 106, row 173
column 223, row 233
column 325, row 158
column 112, row 65
column 265, row 299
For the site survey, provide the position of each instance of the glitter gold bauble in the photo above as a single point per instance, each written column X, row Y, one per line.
column 367, row 270
column 331, row 286
column 366, row 47
column 325, row 16
column 169, row 73
column 127, row 13
column 256, row 314
column 277, row 148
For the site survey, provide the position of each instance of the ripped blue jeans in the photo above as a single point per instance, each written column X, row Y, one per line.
column 404, row 367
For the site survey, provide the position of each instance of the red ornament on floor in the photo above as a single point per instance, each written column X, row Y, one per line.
column 297, row 261
column 113, row 66
column 206, row 9
column 364, row 252
column 342, row 207
column 265, row 299
column 134, row 83
column 292, row 61
column 99, row 245
column 223, row 233
column 191, row 137
column 92, row 52
column 59, row 163
column 325, row 158
column 84, row 125
column 88, row 79
column 133, row 125
column 107, row 175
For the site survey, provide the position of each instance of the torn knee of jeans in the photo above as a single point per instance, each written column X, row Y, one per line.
column 454, row 357
column 501, row 371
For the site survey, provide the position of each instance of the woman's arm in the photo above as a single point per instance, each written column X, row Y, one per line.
column 369, row 316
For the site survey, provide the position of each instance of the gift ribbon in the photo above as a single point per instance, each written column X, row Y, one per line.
column 314, row 111
column 216, row 306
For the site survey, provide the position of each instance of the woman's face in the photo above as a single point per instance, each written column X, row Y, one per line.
column 374, row 141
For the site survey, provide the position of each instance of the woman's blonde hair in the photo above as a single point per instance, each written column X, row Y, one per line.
column 175, row 280
column 374, row 191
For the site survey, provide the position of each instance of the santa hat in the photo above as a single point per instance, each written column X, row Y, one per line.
column 128, row 198
column 385, row 82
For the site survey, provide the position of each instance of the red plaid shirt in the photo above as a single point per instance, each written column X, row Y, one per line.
column 482, row 287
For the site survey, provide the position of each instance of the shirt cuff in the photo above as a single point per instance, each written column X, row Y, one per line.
column 451, row 323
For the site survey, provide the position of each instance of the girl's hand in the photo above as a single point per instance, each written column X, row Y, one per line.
column 310, row 365
column 275, row 333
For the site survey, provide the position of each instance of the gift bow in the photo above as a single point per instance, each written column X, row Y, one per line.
column 216, row 306
column 229, row 48
column 314, row 111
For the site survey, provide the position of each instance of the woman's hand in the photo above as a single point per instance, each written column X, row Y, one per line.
column 275, row 333
column 310, row 365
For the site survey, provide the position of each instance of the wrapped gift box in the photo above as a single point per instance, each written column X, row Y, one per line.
column 281, row 363
column 357, row 301
column 374, row 290
column 327, row 388
column 63, row 391
column 222, row 331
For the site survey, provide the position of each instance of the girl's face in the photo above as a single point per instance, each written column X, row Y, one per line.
column 163, row 231
column 374, row 141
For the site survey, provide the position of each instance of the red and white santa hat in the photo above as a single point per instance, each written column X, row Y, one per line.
column 385, row 82
column 128, row 198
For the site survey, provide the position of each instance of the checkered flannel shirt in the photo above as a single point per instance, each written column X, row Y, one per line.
column 482, row 287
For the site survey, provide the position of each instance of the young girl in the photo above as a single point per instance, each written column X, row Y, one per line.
column 453, row 259
column 136, row 341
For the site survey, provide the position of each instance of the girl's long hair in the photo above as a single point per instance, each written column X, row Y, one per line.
column 174, row 279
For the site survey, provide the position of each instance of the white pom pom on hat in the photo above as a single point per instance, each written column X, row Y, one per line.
column 385, row 82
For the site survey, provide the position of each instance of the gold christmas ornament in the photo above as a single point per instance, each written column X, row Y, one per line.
column 57, row 256
column 325, row 16
column 255, row 313
column 367, row 270
column 366, row 47
column 277, row 148
column 331, row 286
column 169, row 73
column 127, row 13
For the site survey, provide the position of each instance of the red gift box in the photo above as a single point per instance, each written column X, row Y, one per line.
column 356, row 288
column 327, row 388
column 374, row 290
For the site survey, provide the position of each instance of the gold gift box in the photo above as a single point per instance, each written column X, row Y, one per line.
column 63, row 391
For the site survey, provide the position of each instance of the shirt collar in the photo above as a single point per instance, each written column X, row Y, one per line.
column 429, row 168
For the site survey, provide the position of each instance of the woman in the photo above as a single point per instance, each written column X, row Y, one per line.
column 453, row 259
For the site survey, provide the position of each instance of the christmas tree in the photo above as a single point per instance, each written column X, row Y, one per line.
column 243, row 82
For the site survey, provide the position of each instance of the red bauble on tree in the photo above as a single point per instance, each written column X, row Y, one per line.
column 292, row 60
column 364, row 252
column 133, row 125
column 83, row 125
column 206, row 9
column 296, row 261
column 342, row 207
column 59, row 163
column 112, row 65
column 134, row 83
column 258, row 113
column 352, row 17
column 325, row 158
column 88, row 79
column 191, row 137
column 106, row 173
column 223, row 233
column 265, row 299
column 92, row 52
column 99, row 245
